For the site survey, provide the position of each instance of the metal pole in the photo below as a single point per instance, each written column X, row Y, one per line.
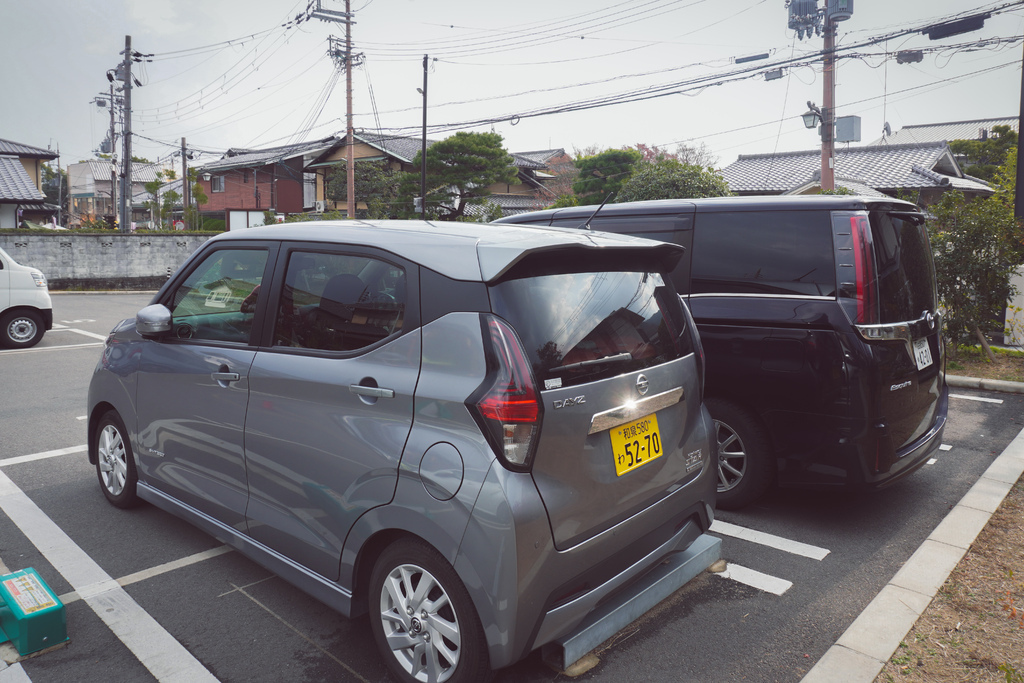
column 60, row 191
column 423, row 150
column 350, row 141
column 184, row 186
column 113, row 155
column 126, row 176
column 828, row 107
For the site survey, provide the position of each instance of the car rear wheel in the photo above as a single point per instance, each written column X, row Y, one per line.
column 20, row 329
column 115, row 464
column 426, row 627
column 745, row 466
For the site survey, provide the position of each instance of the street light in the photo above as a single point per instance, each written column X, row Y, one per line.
column 813, row 116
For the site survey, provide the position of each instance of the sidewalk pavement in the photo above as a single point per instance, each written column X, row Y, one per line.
column 861, row 652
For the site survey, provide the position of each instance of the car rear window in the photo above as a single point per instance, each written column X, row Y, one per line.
column 581, row 327
column 766, row 252
column 903, row 261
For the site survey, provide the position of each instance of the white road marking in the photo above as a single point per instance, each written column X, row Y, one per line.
column 155, row 648
column 945, row 447
column 82, row 417
column 15, row 673
column 41, row 349
column 750, row 577
column 931, row 461
column 770, row 540
column 977, row 398
column 19, row 459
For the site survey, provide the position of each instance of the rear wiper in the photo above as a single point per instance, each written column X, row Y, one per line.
column 617, row 358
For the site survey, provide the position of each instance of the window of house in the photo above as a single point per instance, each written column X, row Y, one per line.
column 245, row 175
column 217, row 183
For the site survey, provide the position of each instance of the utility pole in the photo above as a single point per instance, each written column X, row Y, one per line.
column 184, row 185
column 423, row 150
column 828, row 106
column 1018, row 192
column 113, row 155
column 126, row 174
column 60, row 191
column 349, row 59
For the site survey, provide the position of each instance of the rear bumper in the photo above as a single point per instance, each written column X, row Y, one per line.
column 917, row 453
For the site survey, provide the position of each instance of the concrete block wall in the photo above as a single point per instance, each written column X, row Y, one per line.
column 103, row 261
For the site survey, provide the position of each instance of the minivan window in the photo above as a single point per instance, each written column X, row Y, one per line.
column 768, row 252
column 217, row 301
column 906, row 275
column 581, row 327
column 339, row 302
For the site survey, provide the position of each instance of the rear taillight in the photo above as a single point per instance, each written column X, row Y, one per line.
column 507, row 405
column 864, row 266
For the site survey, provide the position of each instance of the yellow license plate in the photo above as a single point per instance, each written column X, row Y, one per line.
column 636, row 443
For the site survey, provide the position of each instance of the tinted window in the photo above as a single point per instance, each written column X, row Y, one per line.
column 903, row 261
column 630, row 320
column 339, row 302
column 218, row 299
column 771, row 252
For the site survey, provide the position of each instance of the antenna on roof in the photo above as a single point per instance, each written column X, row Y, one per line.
column 886, row 129
column 586, row 226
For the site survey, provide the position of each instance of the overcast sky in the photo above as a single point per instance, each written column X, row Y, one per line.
column 272, row 84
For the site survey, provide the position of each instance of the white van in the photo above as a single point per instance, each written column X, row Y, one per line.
column 25, row 308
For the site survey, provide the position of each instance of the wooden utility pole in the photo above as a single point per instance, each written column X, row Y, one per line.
column 126, row 174
column 184, row 185
column 828, row 105
column 423, row 150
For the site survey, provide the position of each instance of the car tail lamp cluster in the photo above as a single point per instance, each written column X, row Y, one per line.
column 855, row 266
column 507, row 404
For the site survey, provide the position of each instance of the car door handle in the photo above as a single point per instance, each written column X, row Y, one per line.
column 226, row 376
column 375, row 392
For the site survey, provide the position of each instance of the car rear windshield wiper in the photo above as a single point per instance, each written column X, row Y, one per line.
column 617, row 358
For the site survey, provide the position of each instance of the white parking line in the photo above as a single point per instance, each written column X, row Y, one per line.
column 19, row 459
column 751, row 577
column 41, row 349
column 15, row 673
column 931, row 461
column 770, row 540
column 976, row 398
column 945, row 447
column 155, row 648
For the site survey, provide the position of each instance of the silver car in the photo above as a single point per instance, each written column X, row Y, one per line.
column 476, row 433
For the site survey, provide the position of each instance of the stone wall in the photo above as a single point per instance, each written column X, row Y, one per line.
column 104, row 261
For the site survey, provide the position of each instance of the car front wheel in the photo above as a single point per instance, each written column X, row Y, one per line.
column 423, row 619
column 115, row 464
column 20, row 329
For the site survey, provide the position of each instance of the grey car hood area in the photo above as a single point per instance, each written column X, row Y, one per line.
column 462, row 251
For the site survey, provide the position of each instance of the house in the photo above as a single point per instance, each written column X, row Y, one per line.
column 21, row 182
column 90, row 183
column 976, row 129
column 245, row 183
column 923, row 169
column 536, row 176
column 396, row 150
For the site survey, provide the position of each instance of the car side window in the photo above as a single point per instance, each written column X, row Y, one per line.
column 339, row 302
column 217, row 301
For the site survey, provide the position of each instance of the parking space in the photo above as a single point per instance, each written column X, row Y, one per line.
column 150, row 597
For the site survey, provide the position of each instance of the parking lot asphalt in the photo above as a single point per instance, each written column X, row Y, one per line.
column 151, row 598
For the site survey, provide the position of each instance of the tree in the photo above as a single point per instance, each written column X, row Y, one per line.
column 153, row 188
column 671, row 179
column 376, row 184
column 603, row 174
column 977, row 250
column 984, row 157
column 192, row 216
column 459, row 170
column 55, row 187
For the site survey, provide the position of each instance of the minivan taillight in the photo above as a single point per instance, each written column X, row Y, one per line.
column 507, row 405
column 864, row 265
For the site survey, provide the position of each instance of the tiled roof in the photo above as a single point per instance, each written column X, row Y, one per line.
column 249, row 158
column 883, row 167
column 141, row 172
column 542, row 157
column 510, row 204
column 401, row 147
column 15, row 183
column 17, row 149
column 944, row 132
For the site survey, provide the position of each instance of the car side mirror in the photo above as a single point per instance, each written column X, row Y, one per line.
column 153, row 321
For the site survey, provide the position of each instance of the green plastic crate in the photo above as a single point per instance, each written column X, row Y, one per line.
column 32, row 617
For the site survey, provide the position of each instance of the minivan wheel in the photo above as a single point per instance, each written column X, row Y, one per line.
column 426, row 627
column 745, row 466
column 115, row 464
column 21, row 329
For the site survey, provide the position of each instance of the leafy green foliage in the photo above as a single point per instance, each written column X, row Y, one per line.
column 667, row 178
column 376, row 184
column 838, row 190
column 977, row 248
column 604, row 173
column 459, row 170
column 563, row 201
column 984, row 157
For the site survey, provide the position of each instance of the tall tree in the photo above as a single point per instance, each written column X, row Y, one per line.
column 984, row 157
column 603, row 174
column 459, row 170
column 671, row 179
column 153, row 188
column 375, row 183
column 55, row 187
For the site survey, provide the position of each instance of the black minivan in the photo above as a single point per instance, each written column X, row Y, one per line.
column 819, row 319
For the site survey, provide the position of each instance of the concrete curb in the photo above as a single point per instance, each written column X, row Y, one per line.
column 984, row 384
column 861, row 652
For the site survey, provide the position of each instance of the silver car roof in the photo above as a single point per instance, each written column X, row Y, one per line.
column 461, row 251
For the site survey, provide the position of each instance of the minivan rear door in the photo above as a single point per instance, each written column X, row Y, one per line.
column 620, row 391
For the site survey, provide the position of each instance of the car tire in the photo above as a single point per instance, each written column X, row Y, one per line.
column 425, row 631
column 745, row 466
column 20, row 329
column 115, row 463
